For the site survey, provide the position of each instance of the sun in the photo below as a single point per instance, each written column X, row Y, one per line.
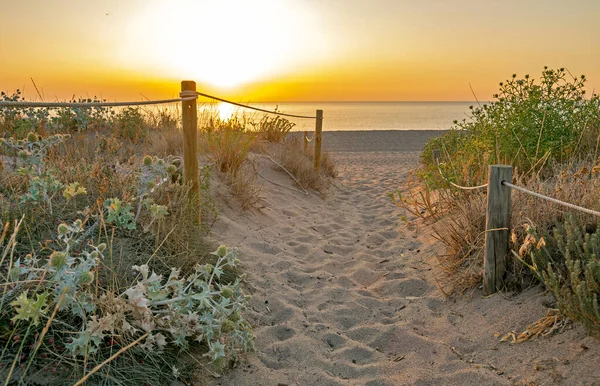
column 224, row 43
column 226, row 111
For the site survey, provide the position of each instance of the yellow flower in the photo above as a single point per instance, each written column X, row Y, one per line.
column 540, row 243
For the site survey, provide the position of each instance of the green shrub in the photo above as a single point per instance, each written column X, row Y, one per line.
column 130, row 125
column 567, row 260
column 528, row 125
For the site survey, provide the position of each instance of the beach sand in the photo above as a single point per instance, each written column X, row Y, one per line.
column 344, row 291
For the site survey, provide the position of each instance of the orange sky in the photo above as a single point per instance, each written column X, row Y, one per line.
column 292, row 50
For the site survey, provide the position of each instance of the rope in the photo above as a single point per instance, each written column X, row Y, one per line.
column 461, row 187
column 554, row 200
column 467, row 187
column 255, row 108
column 309, row 140
column 90, row 104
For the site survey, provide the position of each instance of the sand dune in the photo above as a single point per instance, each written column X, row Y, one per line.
column 343, row 291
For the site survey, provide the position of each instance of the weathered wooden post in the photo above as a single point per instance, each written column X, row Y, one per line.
column 318, row 138
column 496, row 228
column 190, row 143
column 306, row 141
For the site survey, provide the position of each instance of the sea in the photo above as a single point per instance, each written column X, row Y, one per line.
column 351, row 116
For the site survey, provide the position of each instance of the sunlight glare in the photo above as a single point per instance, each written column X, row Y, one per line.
column 226, row 111
column 224, row 43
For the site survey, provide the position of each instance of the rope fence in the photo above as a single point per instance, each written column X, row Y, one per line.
column 498, row 224
column 189, row 112
column 436, row 159
column 256, row 108
column 554, row 200
column 91, row 104
column 466, row 187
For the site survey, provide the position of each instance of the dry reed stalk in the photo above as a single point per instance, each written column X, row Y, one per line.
column 110, row 359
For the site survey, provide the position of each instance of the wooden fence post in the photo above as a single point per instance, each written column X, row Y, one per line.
column 317, row 138
column 496, row 228
column 306, row 141
column 190, row 144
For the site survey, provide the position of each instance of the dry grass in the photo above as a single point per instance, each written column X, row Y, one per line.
column 226, row 149
column 547, row 325
column 227, row 145
column 462, row 232
column 461, row 220
column 299, row 163
column 273, row 128
column 244, row 187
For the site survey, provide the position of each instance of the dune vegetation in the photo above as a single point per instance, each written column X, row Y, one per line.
column 548, row 129
column 106, row 278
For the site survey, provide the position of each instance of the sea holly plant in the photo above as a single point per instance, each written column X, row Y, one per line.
column 157, row 212
column 22, row 119
column 55, row 304
column 62, row 279
column 34, row 147
column 154, row 172
column 197, row 307
column 30, row 153
column 119, row 213
column 73, row 190
column 80, row 118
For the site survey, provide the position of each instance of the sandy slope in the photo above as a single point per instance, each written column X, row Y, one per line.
column 343, row 291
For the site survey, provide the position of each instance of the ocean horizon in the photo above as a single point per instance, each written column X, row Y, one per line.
column 369, row 116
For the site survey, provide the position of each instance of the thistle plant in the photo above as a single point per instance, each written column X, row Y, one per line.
column 81, row 118
column 154, row 172
column 119, row 214
column 20, row 120
column 30, row 152
column 57, row 307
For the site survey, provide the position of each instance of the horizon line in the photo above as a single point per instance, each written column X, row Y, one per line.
column 378, row 101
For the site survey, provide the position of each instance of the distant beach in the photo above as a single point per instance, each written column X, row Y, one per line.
column 377, row 141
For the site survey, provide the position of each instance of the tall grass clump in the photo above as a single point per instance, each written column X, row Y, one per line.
column 549, row 131
column 227, row 145
column 131, row 125
column 291, row 155
column 227, row 149
column 273, row 128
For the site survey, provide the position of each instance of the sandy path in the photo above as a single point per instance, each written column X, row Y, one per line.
column 342, row 294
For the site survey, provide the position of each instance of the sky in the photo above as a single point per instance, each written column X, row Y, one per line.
column 292, row 50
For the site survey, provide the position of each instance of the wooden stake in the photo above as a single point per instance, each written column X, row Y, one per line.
column 190, row 145
column 318, row 138
column 497, row 228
